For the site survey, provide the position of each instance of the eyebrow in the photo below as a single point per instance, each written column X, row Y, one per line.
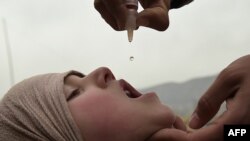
column 74, row 73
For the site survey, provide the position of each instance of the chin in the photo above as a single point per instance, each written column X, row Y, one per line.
column 166, row 116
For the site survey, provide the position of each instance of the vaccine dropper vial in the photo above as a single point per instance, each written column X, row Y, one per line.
column 130, row 25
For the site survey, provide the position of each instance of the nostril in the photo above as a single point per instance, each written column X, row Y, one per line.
column 109, row 77
column 104, row 76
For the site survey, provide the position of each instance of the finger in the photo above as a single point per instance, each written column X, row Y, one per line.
column 216, row 128
column 106, row 15
column 155, row 3
column 210, row 133
column 169, row 135
column 238, row 107
column 156, row 18
column 237, row 113
column 179, row 124
column 209, row 104
column 179, row 3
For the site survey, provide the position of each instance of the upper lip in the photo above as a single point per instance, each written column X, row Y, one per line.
column 130, row 91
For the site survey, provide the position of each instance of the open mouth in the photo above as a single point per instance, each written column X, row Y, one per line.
column 130, row 91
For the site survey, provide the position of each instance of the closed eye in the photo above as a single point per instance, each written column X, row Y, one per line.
column 73, row 94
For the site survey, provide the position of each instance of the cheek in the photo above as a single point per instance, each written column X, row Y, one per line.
column 94, row 109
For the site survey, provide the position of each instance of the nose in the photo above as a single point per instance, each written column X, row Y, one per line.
column 103, row 76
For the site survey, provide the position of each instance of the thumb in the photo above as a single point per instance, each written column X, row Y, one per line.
column 210, row 102
column 156, row 18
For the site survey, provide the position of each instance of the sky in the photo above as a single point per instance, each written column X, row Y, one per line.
column 47, row 36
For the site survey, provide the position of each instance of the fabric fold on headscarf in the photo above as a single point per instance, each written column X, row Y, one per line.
column 36, row 110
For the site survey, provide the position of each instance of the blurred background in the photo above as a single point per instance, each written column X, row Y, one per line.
column 46, row 36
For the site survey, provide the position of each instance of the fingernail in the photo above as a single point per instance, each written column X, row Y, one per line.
column 194, row 121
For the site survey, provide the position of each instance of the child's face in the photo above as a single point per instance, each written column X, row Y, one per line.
column 103, row 111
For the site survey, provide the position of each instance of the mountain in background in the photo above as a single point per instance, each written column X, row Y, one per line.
column 182, row 97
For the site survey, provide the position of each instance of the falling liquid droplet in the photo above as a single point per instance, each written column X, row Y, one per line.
column 131, row 58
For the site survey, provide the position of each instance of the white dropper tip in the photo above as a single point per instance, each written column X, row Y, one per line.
column 130, row 25
column 130, row 35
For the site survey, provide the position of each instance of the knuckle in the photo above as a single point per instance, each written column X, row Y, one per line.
column 230, row 76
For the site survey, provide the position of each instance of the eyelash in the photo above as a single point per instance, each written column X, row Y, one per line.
column 73, row 94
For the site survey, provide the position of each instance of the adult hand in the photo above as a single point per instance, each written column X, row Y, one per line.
column 154, row 15
column 232, row 86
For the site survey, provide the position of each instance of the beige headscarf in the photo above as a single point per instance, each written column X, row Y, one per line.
column 36, row 110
